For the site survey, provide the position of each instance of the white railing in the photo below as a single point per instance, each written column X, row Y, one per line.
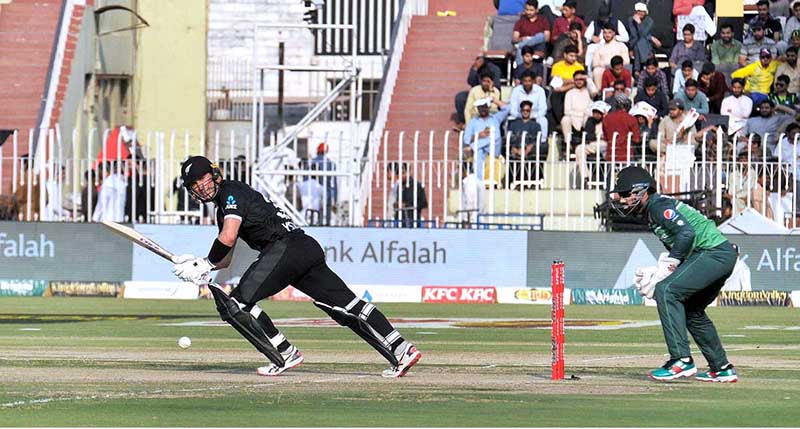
column 538, row 190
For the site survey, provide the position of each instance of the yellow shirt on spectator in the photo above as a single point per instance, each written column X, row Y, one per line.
column 566, row 71
column 759, row 78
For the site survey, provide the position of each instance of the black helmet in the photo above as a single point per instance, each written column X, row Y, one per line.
column 194, row 169
column 634, row 181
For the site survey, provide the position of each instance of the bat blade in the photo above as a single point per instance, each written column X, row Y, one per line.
column 140, row 239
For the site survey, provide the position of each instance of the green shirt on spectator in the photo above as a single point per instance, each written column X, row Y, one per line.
column 721, row 54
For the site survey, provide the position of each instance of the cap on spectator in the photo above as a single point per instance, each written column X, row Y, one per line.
column 765, row 53
column 640, row 7
column 322, row 148
column 676, row 104
column 483, row 102
column 796, row 33
column 643, row 108
column 601, row 106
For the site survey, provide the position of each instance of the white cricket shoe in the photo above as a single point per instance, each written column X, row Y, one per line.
column 408, row 359
column 292, row 358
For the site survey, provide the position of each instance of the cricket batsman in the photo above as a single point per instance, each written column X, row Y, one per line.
column 686, row 280
column 286, row 256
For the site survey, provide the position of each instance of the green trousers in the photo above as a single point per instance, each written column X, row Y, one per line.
column 682, row 299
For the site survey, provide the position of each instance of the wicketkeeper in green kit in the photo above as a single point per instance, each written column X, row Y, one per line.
column 686, row 280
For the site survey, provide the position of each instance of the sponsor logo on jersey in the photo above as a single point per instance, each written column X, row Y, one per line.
column 670, row 214
column 230, row 204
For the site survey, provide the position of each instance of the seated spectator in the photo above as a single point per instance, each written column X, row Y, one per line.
column 485, row 90
column 407, row 196
column 793, row 23
column 653, row 96
column 615, row 73
column 772, row 27
column 484, row 130
column 712, row 84
column 687, row 50
column 577, row 104
column 618, row 89
column 527, row 90
column 621, row 131
column 692, row 98
column 785, row 102
column 737, row 106
column 571, row 38
column 606, row 51
column 595, row 139
column 561, row 25
column 529, row 65
column 752, row 46
column 759, row 75
column 725, row 51
column 780, row 7
column 648, row 125
column 669, row 129
column 532, row 29
column 562, row 81
column 651, row 70
column 767, row 124
column 787, row 151
column 594, row 34
column 480, row 66
column 524, row 133
column 791, row 69
column 687, row 72
column 642, row 41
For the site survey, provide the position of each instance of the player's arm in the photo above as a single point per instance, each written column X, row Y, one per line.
column 221, row 252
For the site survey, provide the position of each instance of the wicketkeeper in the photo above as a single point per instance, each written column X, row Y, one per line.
column 287, row 256
column 686, row 280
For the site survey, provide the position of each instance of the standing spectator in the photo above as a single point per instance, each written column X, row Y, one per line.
column 772, row 27
column 606, row 51
column 480, row 65
column 87, row 208
column 692, row 98
column 484, row 90
column 329, row 183
column 111, row 200
column 785, row 102
column 577, row 104
column 621, row 131
column 791, row 69
column 653, row 96
column 712, row 84
column 651, row 70
column 311, row 194
column 595, row 139
column 484, row 129
column 725, row 51
column 615, row 73
column 528, row 65
column 759, row 75
column 687, row 72
column 532, row 29
column 752, row 47
column 689, row 49
column 527, row 90
column 572, row 38
column 525, row 132
column 737, row 106
column 642, row 41
column 408, row 196
column 793, row 23
column 788, row 152
column 561, row 25
column 767, row 125
column 669, row 129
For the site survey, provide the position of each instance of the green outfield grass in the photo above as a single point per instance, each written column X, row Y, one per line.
column 58, row 369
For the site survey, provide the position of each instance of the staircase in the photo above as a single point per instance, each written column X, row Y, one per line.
column 438, row 54
column 27, row 39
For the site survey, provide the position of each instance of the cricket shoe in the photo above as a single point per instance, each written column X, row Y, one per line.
column 727, row 375
column 292, row 358
column 674, row 369
column 408, row 359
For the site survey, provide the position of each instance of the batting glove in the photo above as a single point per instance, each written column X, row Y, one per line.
column 195, row 270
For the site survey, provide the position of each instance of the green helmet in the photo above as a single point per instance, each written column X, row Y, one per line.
column 632, row 181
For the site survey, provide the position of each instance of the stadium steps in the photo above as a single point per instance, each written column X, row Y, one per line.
column 27, row 35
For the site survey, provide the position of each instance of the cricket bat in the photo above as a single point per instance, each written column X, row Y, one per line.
column 134, row 236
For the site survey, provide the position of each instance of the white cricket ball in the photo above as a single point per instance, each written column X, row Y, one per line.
column 184, row 342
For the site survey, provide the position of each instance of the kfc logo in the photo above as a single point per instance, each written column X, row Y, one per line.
column 459, row 294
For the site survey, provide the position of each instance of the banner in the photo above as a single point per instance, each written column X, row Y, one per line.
column 760, row 298
column 161, row 290
column 606, row 297
column 22, row 287
column 83, row 289
column 507, row 295
column 459, row 294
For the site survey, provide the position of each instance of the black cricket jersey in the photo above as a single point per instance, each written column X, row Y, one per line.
column 262, row 221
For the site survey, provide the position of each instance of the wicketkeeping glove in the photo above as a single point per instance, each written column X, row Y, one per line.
column 642, row 281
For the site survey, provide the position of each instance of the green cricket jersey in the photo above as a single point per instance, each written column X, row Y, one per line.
column 680, row 227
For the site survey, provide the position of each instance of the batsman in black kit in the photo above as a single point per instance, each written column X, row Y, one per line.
column 287, row 256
